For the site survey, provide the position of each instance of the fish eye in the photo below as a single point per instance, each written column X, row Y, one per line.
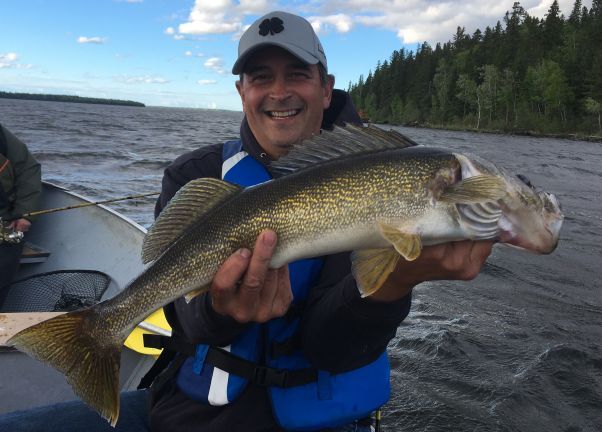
column 525, row 180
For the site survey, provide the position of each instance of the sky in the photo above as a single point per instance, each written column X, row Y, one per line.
column 179, row 53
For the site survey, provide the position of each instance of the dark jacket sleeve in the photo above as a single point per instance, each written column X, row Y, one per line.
column 196, row 320
column 27, row 176
column 340, row 330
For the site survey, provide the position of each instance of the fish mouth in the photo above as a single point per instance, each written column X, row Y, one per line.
column 282, row 114
column 542, row 246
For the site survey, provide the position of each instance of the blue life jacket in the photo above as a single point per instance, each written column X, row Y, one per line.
column 327, row 401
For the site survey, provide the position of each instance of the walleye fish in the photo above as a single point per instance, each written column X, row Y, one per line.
column 353, row 189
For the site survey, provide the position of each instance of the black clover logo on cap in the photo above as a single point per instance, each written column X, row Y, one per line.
column 271, row 26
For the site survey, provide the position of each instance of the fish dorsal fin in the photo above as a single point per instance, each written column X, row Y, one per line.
column 339, row 143
column 191, row 202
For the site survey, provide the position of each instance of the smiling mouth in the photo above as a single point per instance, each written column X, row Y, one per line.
column 283, row 114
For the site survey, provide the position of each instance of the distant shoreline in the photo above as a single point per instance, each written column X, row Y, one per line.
column 568, row 136
column 67, row 98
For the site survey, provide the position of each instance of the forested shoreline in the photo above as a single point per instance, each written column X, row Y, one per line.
column 525, row 75
column 68, row 98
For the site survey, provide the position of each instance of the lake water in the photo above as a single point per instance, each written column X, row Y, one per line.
column 517, row 349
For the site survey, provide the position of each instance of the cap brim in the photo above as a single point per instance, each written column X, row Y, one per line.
column 300, row 53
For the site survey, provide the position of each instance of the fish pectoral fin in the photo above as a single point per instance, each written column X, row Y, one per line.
column 189, row 296
column 372, row 267
column 476, row 189
column 407, row 244
column 195, row 199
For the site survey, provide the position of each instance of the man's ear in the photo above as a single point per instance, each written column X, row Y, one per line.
column 328, row 87
column 241, row 93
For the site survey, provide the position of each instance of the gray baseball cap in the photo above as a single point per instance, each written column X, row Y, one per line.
column 285, row 30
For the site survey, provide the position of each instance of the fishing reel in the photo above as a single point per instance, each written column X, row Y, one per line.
column 8, row 235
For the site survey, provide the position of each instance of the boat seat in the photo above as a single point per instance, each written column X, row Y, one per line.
column 33, row 253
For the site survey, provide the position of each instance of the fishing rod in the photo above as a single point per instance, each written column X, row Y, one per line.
column 42, row 212
column 9, row 236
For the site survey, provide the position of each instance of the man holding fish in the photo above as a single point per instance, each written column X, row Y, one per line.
column 286, row 268
column 287, row 97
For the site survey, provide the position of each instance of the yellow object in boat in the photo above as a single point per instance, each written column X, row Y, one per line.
column 155, row 323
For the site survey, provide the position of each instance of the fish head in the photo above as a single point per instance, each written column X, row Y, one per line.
column 531, row 218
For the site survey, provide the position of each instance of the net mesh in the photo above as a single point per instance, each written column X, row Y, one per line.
column 56, row 291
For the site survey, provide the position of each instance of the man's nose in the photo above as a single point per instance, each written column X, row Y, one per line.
column 280, row 89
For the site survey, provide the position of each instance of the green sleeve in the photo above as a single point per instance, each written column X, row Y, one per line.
column 28, row 176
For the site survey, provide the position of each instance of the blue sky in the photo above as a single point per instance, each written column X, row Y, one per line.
column 180, row 52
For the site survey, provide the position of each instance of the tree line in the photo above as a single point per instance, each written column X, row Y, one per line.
column 68, row 98
column 524, row 74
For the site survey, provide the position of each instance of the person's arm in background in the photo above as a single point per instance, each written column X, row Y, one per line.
column 27, row 180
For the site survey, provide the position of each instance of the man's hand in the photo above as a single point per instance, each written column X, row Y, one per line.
column 460, row 260
column 246, row 289
column 20, row 225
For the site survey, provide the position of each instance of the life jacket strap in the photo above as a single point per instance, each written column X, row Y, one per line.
column 259, row 374
column 168, row 362
column 169, row 343
column 228, row 362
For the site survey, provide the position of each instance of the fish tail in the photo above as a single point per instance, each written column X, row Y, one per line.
column 90, row 366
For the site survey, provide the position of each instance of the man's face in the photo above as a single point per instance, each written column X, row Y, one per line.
column 283, row 99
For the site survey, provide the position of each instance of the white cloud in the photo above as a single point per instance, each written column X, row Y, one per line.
column 222, row 16
column 341, row 22
column 206, row 82
column 10, row 60
column 169, row 31
column 413, row 21
column 256, row 7
column 191, row 54
column 211, row 17
column 215, row 64
column 144, row 79
column 93, row 40
column 9, row 57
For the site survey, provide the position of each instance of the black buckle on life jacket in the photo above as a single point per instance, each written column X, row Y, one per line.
column 265, row 376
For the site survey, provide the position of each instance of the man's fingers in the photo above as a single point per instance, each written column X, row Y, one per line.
column 284, row 295
column 481, row 251
column 247, row 289
column 465, row 258
column 253, row 282
column 478, row 254
column 266, row 296
column 226, row 279
column 260, row 261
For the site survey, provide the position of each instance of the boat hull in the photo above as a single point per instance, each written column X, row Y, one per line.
column 88, row 238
